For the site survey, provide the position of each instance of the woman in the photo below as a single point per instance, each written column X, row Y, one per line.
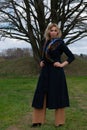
column 51, row 91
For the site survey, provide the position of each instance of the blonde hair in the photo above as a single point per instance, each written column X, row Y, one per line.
column 47, row 31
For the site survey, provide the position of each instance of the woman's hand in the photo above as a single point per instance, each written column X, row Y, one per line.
column 58, row 64
column 42, row 64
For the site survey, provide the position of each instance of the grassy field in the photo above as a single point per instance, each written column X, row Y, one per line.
column 26, row 66
column 15, row 104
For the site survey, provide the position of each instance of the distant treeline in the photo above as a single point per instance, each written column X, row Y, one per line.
column 20, row 52
column 16, row 53
column 83, row 56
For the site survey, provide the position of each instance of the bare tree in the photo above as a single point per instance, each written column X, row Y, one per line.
column 27, row 19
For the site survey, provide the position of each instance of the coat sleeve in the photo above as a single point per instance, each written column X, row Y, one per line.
column 68, row 53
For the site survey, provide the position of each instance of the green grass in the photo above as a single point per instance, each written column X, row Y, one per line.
column 15, row 104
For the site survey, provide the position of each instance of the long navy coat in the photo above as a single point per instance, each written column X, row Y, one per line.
column 52, row 81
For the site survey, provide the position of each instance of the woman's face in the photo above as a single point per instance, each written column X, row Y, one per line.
column 53, row 32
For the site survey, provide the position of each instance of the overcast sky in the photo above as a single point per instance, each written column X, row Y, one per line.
column 80, row 47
